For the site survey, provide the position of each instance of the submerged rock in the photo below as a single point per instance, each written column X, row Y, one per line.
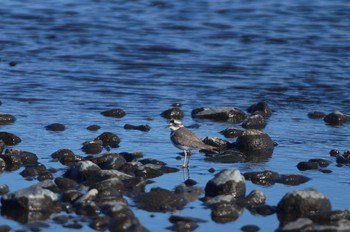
column 173, row 113
column 55, row 127
column 223, row 114
column 7, row 119
column 261, row 108
column 66, row 156
column 228, row 156
column 302, row 204
column 231, row 132
column 93, row 127
column 226, row 182
column 115, row 113
column 316, row 114
column 254, row 122
column 92, row 147
column 268, row 178
column 336, row 118
column 139, row 127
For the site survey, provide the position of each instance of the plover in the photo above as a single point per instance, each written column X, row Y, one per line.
column 186, row 140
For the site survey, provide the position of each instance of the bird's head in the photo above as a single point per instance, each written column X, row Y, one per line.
column 175, row 124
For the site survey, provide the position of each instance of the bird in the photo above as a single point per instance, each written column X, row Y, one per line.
column 186, row 140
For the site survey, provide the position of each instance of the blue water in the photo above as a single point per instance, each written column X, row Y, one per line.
column 76, row 59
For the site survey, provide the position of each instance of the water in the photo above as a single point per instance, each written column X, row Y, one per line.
column 76, row 59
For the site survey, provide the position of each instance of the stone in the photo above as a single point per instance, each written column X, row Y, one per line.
column 2, row 146
column 92, row 147
column 336, row 118
column 12, row 161
column 292, row 179
column 6, row 119
column 316, row 114
column 55, row 127
column 173, row 113
column 93, row 127
column 223, row 114
column 226, row 182
column 253, row 140
column 65, row 183
column 302, row 204
column 9, row 139
column 139, row 127
column 300, row 224
column 160, row 200
column 261, row 108
column 82, row 171
column 109, row 139
column 307, row 165
column 228, row 156
column 4, row 189
column 231, row 132
column 266, row 177
column 115, row 113
column 255, row 121
column 223, row 213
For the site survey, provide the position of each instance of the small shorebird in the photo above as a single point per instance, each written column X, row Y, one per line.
column 186, row 140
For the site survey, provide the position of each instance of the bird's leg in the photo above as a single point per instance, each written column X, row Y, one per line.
column 184, row 164
column 188, row 158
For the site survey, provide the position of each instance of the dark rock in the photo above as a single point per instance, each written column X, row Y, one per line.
column 33, row 170
column 331, row 216
column 160, row 200
column 301, row 204
column 173, row 113
column 4, row 189
column 183, row 226
column 70, row 195
column 190, row 182
column 152, row 161
column 128, row 156
column 34, row 198
column 65, row 183
column 13, row 161
column 27, row 158
column 263, row 210
column 5, row 228
column 176, row 218
column 55, row 127
column 266, row 178
column 100, row 223
column 92, row 147
column 334, row 152
column 211, row 170
column 12, row 63
column 223, row 114
column 73, row 225
column 61, row 219
column 254, row 122
column 2, row 165
column 82, row 171
column 261, row 108
column 109, row 139
column 255, row 197
column 307, row 165
column 321, row 162
column 114, row 162
column 115, row 113
column 336, row 118
column 340, row 159
column 223, row 213
column 45, row 176
column 93, row 127
column 231, row 132
column 191, row 193
column 250, row 228
column 86, row 198
column 228, row 156
column 220, row 144
column 254, row 140
column 140, row 170
column 7, row 119
column 140, row 127
column 292, row 179
column 226, row 182
column 9, row 138
column 316, row 114
column 111, row 183
column 66, row 156
column 2, row 146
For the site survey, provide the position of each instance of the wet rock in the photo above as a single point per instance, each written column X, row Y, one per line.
column 4, row 189
column 5, row 228
column 176, row 218
column 191, row 193
column 2, row 146
column 34, row 198
column 300, row 224
column 223, row 213
column 114, row 161
column 261, row 209
column 70, row 195
column 111, row 183
column 61, row 219
column 266, row 178
column 173, row 113
column 82, row 170
column 2, row 165
column 226, row 182
column 340, row 159
column 140, row 127
column 253, row 140
column 302, row 204
column 109, row 139
column 292, row 179
column 223, row 114
column 336, row 118
column 12, row 161
column 307, row 165
column 190, row 182
column 65, row 183
column 316, row 114
column 254, row 122
column 331, row 217
column 9, row 139
column 12, row 63
column 73, row 225
column 228, row 156
column 160, row 200
column 7, row 119
column 321, row 162
column 33, row 170
column 93, row 127
column 219, row 144
column 66, row 156
column 27, row 158
column 184, row 223
column 92, row 147
column 55, row 127
column 86, row 198
column 100, row 223
column 255, row 197
column 115, row 113
column 250, row 228
column 231, row 132
column 146, row 170
column 261, row 108
column 334, row 152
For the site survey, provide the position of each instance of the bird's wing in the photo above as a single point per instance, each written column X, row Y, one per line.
column 188, row 138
